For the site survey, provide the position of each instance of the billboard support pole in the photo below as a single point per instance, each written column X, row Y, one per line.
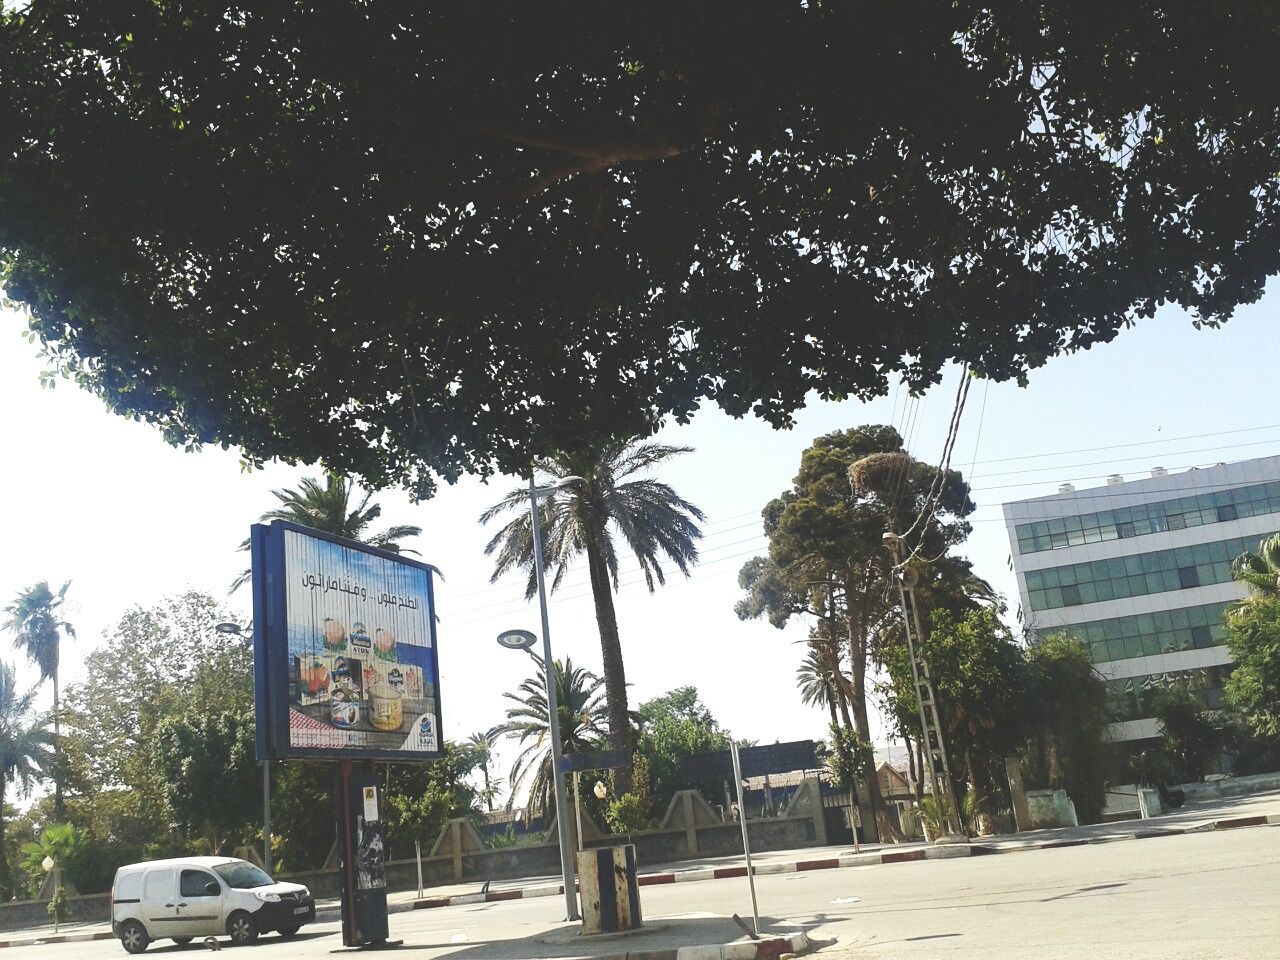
column 349, row 937
column 266, row 814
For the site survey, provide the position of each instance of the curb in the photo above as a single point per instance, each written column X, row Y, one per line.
column 58, row 938
column 766, row 948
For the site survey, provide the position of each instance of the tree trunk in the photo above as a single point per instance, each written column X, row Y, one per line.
column 59, row 811
column 615, row 677
column 858, row 693
column 6, row 882
column 831, row 708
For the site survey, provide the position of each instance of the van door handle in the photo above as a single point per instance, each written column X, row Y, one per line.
column 168, row 904
column 182, row 904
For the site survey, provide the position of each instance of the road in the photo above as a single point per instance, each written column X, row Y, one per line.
column 1203, row 896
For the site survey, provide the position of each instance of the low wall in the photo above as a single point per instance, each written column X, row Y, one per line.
column 1232, row 786
column 22, row 914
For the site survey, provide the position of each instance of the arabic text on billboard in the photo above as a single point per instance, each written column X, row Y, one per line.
column 361, row 666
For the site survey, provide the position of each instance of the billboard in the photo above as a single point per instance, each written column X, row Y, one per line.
column 344, row 648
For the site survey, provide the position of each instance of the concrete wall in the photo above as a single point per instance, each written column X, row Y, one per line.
column 21, row 914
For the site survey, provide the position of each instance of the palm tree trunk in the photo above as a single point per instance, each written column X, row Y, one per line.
column 6, row 883
column 615, row 678
column 59, row 811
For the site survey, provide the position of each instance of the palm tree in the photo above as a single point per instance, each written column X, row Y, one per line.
column 581, row 730
column 1261, row 570
column 329, row 508
column 586, row 518
column 34, row 620
column 816, row 682
column 26, row 753
column 481, row 744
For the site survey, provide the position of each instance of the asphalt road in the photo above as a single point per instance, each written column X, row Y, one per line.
column 1203, row 896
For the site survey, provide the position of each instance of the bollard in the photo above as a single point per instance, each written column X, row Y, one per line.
column 609, row 889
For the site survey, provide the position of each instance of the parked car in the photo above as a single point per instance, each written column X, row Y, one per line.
column 191, row 897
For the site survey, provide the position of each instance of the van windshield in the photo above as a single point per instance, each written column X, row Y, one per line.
column 242, row 875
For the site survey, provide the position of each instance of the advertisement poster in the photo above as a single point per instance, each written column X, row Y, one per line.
column 360, row 664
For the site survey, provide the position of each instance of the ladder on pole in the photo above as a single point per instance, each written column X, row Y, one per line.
column 930, row 723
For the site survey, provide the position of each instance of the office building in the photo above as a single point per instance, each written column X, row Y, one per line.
column 1140, row 571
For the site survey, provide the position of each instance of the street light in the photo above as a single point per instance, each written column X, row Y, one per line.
column 48, row 864
column 235, row 630
column 523, row 640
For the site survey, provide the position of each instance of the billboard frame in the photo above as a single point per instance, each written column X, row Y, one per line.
column 271, row 648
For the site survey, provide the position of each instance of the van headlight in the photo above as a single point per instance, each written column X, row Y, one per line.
column 268, row 897
column 306, row 892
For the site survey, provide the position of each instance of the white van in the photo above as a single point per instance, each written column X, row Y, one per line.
column 203, row 897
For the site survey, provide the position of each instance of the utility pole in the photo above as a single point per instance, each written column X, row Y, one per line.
column 935, row 750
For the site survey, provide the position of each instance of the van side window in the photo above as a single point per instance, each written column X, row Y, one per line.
column 129, row 887
column 158, row 885
column 193, row 883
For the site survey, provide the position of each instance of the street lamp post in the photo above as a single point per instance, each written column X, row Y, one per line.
column 48, row 863
column 235, row 630
column 522, row 640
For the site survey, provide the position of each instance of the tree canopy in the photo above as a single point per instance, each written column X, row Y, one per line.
column 412, row 240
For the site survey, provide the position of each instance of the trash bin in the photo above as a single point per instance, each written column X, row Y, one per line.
column 609, row 889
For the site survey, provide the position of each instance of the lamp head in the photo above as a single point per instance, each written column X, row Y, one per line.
column 233, row 629
column 47, row 863
column 601, row 790
column 517, row 639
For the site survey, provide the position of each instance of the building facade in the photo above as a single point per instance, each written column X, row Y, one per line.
column 1140, row 571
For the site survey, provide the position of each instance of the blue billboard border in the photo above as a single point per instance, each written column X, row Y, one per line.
column 271, row 648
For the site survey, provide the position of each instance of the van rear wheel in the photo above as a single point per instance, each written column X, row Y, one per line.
column 242, row 928
column 182, row 941
column 133, row 936
column 289, row 931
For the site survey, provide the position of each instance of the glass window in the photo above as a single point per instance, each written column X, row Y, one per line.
column 1226, row 512
column 158, row 885
column 1125, row 529
column 1188, row 577
column 1176, row 521
column 1071, row 596
column 194, row 883
column 1201, row 637
column 243, row 875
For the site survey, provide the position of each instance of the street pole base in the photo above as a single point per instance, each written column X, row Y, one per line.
column 951, row 838
column 374, row 945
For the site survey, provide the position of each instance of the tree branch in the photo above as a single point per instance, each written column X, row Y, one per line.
column 600, row 149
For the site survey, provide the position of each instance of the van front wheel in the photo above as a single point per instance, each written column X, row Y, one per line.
column 242, row 928
column 133, row 936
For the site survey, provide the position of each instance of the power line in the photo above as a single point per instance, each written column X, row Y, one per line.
column 1098, row 463
column 1132, row 443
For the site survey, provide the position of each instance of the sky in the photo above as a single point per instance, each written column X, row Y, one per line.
column 103, row 502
